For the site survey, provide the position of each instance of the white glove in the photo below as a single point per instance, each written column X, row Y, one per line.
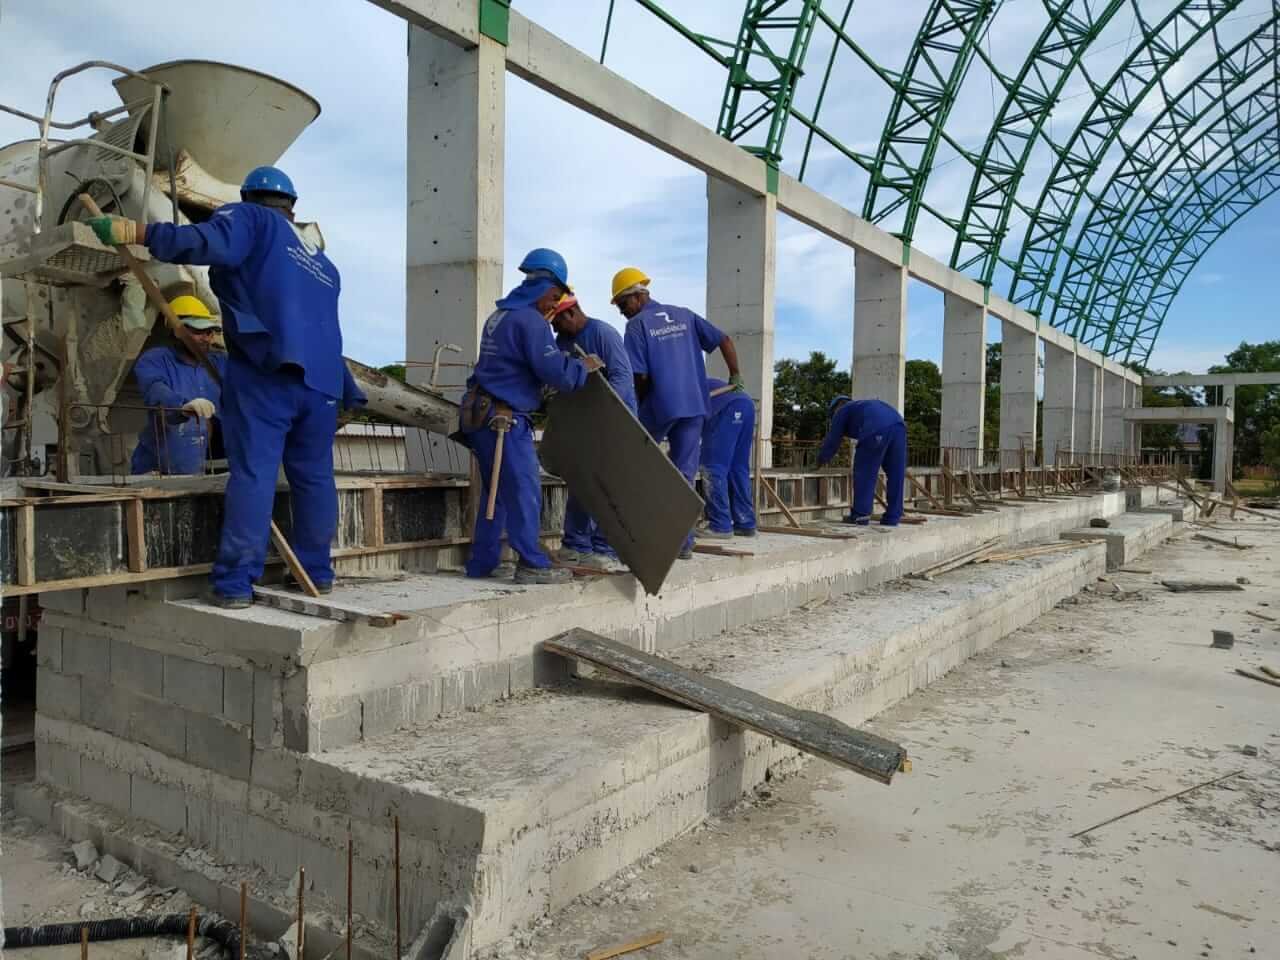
column 200, row 407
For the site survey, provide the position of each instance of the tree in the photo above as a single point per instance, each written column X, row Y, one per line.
column 1163, row 436
column 995, row 357
column 922, row 405
column 1257, row 409
column 802, row 390
column 1271, row 452
column 394, row 370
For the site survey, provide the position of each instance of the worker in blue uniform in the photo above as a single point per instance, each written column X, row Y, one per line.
column 183, row 394
column 880, row 439
column 666, row 345
column 583, row 544
column 726, row 463
column 518, row 357
column 286, row 382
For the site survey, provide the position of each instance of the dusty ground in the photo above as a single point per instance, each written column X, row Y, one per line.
column 1101, row 706
column 1107, row 703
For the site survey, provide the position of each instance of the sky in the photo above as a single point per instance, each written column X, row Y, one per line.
column 602, row 198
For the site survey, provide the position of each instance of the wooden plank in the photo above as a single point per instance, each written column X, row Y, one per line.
column 1261, row 616
column 631, row 946
column 1257, row 676
column 954, row 562
column 135, row 536
column 371, row 503
column 325, row 608
column 924, row 491
column 806, row 532
column 1199, row 586
column 25, row 544
column 773, row 493
column 1235, row 545
column 815, row 733
column 719, row 551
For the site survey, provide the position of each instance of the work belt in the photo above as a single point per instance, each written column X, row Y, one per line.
column 479, row 407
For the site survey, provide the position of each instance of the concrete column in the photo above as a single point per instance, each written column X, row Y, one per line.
column 1133, row 429
column 741, row 267
column 1229, row 437
column 879, row 329
column 964, row 372
column 1223, row 451
column 1087, row 377
column 1018, row 389
column 1059, row 401
column 457, row 121
column 1113, row 404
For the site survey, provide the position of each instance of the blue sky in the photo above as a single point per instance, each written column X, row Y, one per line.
column 602, row 198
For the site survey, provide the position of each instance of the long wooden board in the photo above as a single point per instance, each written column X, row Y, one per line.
column 815, row 733
column 325, row 608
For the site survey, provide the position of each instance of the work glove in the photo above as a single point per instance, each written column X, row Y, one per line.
column 735, row 381
column 113, row 230
column 592, row 363
column 200, row 407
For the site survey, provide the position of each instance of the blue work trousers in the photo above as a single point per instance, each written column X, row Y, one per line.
column 269, row 419
column 684, row 442
column 518, row 509
column 581, row 532
column 887, row 450
column 726, row 461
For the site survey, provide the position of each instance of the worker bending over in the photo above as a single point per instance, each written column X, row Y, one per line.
column 286, row 381
column 666, row 346
column 583, row 543
column 182, row 392
column 881, row 441
column 518, row 357
column 726, row 463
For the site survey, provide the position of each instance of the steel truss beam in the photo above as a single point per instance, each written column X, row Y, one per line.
column 1196, row 127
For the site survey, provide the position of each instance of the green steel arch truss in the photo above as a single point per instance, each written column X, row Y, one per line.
column 1115, row 221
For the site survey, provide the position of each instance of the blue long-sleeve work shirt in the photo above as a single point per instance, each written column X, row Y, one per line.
column 278, row 291
column 606, row 343
column 667, row 344
column 857, row 419
column 518, row 356
column 170, row 379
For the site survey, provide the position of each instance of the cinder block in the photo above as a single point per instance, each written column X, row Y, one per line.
column 216, row 745
column 424, row 701
column 105, row 785
column 137, row 668
column 495, row 681
column 385, row 710
column 276, row 770
column 217, row 826
column 49, row 648
column 270, row 846
column 709, row 621
column 193, row 685
column 674, row 632
column 105, row 706
column 57, row 695
column 58, row 766
column 334, row 724
column 64, row 601
column 159, row 724
column 521, row 673
column 86, row 655
column 237, row 696
column 158, row 803
column 266, row 709
column 451, row 693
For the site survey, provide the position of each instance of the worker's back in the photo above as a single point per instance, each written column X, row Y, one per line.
column 862, row 418
column 518, row 355
column 667, row 344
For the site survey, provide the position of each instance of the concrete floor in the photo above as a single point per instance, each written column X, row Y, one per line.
column 1101, row 706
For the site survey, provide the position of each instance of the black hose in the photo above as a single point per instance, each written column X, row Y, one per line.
column 224, row 932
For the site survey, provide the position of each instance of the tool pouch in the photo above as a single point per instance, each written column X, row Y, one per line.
column 502, row 418
column 474, row 409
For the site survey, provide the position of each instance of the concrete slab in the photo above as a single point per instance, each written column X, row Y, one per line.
column 1180, row 511
column 1129, row 536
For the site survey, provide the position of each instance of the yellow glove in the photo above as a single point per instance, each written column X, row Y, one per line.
column 113, row 230
column 199, row 407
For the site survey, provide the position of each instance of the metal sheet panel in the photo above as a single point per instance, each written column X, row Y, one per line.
column 610, row 463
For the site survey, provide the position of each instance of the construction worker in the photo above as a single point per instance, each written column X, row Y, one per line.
column 286, row 382
column 518, row 357
column 880, row 439
column 186, row 396
column 726, row 463
column 666, row 346
column 583, row 544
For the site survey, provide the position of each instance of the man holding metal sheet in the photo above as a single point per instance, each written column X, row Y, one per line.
column 666, row 346
column 881, row 441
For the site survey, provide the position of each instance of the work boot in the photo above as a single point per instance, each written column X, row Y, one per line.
column 744, row 532
column 602, row 562
column 686, row 552
column 570, row 556
column 854, row 520
column 526, row 574
column 706, row 533
column 229, row 603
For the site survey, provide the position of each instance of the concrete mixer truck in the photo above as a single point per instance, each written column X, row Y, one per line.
column 174, row 149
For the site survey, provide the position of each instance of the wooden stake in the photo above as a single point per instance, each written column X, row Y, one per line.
column 302, row 929
column 179, row 330
column 191, row 932
column 399, row 949
column 769, row 489
column 1180, row 793
column 349, row 859
column 608, row 953
column 244, row 915
column 84, row 943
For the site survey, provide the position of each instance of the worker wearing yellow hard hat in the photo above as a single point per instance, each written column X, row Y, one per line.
column 666, row 345
column 182, row 394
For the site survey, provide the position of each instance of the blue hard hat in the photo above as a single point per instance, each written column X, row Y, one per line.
column 268, row 180
column 835, row 402
column 541, row 261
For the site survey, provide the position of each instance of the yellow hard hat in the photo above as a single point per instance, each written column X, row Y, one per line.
column 626, row 278
column 188, row 308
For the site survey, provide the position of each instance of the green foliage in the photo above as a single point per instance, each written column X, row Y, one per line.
column 1257, row 409
column 395, row 370
column 995, row 356
column 802, row 389
column 1271, row 448
column 922, row 405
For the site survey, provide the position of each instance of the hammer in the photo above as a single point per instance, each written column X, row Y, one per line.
column 300, row 575
column 500, row 424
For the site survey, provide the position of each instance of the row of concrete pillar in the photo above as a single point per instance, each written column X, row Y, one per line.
column 456, row 127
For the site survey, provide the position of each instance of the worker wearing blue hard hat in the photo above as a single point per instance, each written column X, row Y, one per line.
column 880, row 439
column 666, row 345
column 583, row 544
column 518, row 357
column 286, row 381
column 727, row 437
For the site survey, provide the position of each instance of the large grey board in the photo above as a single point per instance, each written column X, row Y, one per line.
column 610, row 463
column 815, row 733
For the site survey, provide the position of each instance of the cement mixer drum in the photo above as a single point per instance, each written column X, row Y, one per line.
column 229, row 119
